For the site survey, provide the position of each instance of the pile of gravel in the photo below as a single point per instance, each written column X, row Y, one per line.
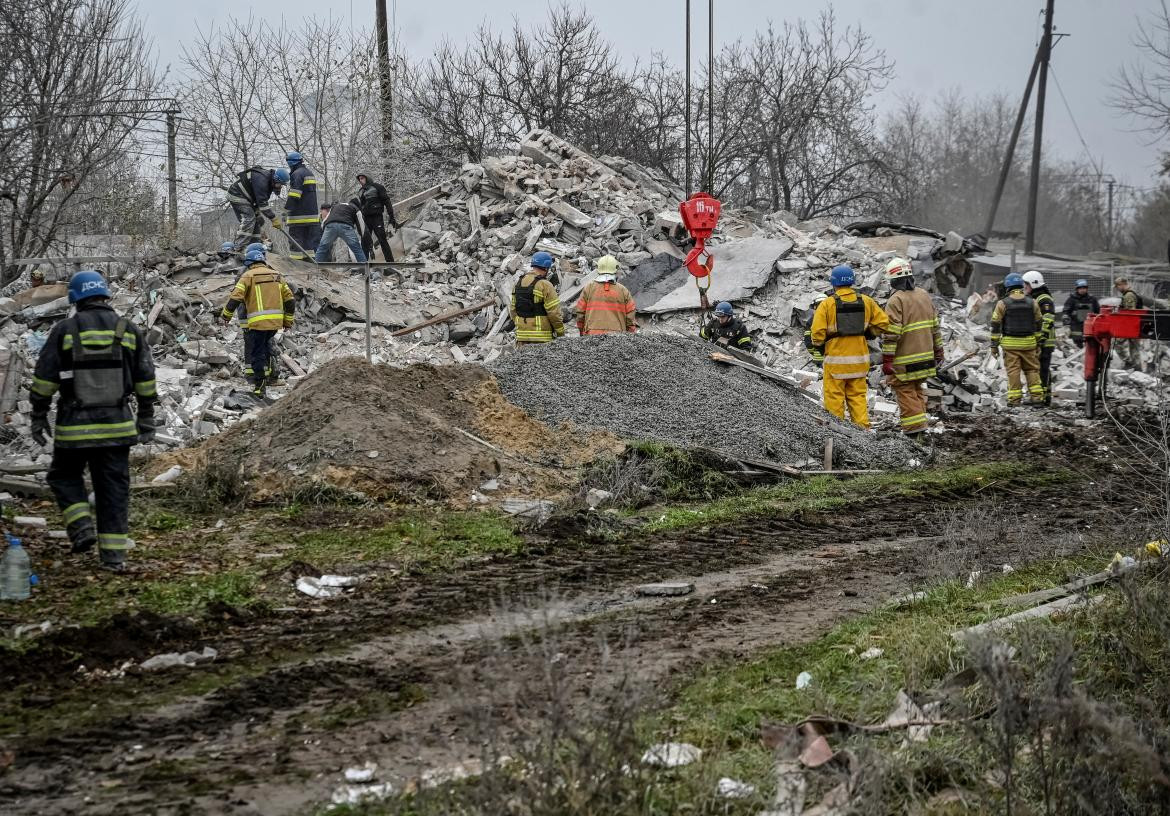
column 663, row 387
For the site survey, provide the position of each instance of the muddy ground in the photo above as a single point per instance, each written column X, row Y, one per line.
column 402, row 675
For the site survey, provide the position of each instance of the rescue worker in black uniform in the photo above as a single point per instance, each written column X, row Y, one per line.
column 1077, row 308
column 373, row 200
column 249, row 195
column 97, row 361
column 725, row 328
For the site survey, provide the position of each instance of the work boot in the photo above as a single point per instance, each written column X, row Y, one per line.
column 82, row 537
column 113, row 560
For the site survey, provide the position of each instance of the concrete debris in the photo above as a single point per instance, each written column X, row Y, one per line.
column 665, row 590
column 172, row 659
column 664, row 387
column 730, row 788
column 671, row 755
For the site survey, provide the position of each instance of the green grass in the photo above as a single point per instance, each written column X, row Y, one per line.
column 418, row 540
column 721, row 708
column 825, row 493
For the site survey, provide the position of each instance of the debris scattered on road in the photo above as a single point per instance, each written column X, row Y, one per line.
column 361, row 774
column 803, row 680
column 172, row 659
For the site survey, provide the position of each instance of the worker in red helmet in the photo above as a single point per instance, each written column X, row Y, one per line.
column 912, row 346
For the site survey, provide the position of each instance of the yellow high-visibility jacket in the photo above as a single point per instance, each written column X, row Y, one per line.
column 846, row 358
column 269, row 302
column 913, row 334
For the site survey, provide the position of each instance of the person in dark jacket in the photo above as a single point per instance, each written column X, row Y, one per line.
column 343, row 220
column 300, row 210
column 249, row 195
column 373, row 199
column 726, row 329
column 1077, row 308
column 96, row 361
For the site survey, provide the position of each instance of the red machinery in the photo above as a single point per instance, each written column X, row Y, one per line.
column 700, row 214
column 1100, row 332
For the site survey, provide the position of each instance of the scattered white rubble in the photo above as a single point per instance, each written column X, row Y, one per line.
column 803, row 680
column 872, row 653
column 730, row 788
column 365, row 773
column 173, row 659
column 671, row 754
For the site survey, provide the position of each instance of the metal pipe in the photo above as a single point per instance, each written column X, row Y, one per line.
column 1038, row 136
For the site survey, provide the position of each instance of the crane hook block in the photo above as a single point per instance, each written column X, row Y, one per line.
column 700, row 214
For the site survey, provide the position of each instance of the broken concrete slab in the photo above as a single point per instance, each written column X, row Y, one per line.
column 741, row 267
column 665, row 589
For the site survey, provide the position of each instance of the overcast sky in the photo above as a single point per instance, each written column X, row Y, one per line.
column 937, row 45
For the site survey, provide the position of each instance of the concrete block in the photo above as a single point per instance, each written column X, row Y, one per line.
column 665, row 589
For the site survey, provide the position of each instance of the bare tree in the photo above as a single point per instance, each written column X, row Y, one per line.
column 1142, row 91
column 75, row 86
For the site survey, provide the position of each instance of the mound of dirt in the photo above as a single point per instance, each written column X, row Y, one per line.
column 663, row 387
column 399, row 432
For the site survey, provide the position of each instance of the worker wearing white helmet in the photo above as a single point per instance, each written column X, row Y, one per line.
column 911, row 345
column 606, row 307
column 1046, row 342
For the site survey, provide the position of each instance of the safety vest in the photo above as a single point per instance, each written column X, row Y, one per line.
column 850, row 317
column 98, row 370
column 1019, row 317
column 526, row 305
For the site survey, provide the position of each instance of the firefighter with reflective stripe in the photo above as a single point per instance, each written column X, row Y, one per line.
column 842, row 324
column 1016, row 324
column 1076, row 311
column 726, row 329
column 536, row 306
column 249, row 195
column 912, row 345
column 95, row 361
column 270, row 306
column 1045, row 343
column 606, row 307
column 300, row 210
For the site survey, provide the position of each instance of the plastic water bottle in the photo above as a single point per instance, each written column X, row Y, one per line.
column 14, row 572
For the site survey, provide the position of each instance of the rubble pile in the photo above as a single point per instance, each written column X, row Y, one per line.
column 414, row 432
column 664, row 388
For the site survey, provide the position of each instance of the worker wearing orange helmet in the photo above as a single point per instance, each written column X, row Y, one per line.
column 606, row 307
column 842, row 325
column 912, row 345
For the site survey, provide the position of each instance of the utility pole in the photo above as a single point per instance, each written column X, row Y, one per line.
column 1109, row 217
column 687, row 103
column 172, row 177
column 385, row 78
column 1038, row 136
column 1005, row 169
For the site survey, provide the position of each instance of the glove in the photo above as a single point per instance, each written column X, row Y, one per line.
column 223, row 318
column 40, row 429
column 147, row 425
column 888, row 365
column 276, row 225
column 938, row 356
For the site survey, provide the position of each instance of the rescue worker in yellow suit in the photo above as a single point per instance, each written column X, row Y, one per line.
column 270, row 305
column 1017, row 325
column 912, row 347
column 842, row 324
column 536, row 306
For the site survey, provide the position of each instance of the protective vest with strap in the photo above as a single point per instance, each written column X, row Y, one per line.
column 244, row 182
column 526, row 305
column 850, row 317
column 98, row 370
column 1019, row 317
column 1081, row 312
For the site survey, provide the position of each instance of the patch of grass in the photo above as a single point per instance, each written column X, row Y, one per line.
column 159, row 519
column 823, row 493
column 721, row 708
column 419, row 540
column 193, row 594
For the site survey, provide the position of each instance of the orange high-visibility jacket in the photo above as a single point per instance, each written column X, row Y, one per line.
column 605, row 307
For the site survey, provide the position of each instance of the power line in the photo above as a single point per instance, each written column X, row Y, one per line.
column 1073, row 119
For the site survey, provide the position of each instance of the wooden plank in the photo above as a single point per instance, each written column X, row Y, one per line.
column 844, row 474
column 292, row 364
column 443, row 318
column 473, row 214
column 410, row 202
column 1044, row 595
column 828, row 458
column 758, row 464
column 155, row 311
column 1008, row 621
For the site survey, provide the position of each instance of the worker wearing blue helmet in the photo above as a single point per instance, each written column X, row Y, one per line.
column 843, row 325
column 1017, row 326
column 301, row 215
column 1076, row 311
column 97, row 361
column 726, row 329
column 536, row 306
column 249, row 195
